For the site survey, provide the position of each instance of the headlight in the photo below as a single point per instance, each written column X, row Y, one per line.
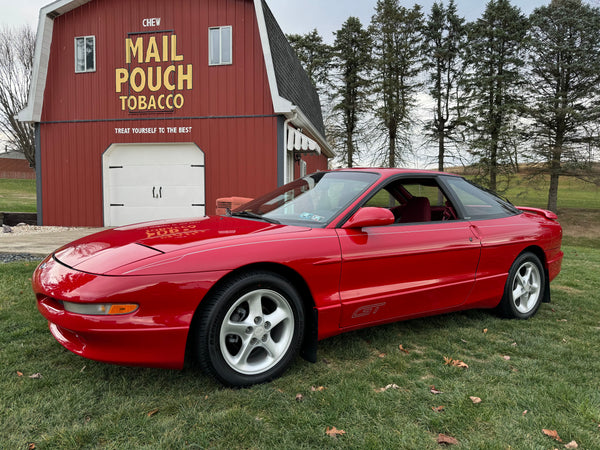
column 100, row 309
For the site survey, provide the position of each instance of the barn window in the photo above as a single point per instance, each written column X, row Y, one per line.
column 219, row 46
column 85, row 54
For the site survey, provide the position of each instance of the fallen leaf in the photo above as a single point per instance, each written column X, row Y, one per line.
column 455, row 362
column 279, row 390
column 153, row 412
column 433, row 390
column 315, row 389
column 299, row 397
column 525, row 412
column 447, row 440
column 82, row 369
column 464, row 342
column 326, row 361
column 475, row 400
column 437, row 408
column 484, row 330
column 561, row 320
column 382, row 355
column 553, row 434
column 206, row 397
column 572, row 444
column 389, row 386
column 514, row 344
column 334, row 432
column 31, row 446
column 506, row 358
column 402, row 349
column 19, row 373
column 36, row 376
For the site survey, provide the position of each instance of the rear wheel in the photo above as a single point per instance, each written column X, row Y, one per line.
column 251, row 329
column 524, row 288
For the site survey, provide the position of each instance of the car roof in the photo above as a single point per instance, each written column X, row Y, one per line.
column 395, row 171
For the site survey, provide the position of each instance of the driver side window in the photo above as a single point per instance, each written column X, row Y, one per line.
column 419, row 200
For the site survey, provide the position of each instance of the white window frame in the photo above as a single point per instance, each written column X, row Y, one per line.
column 86, row 69
column 220, row 62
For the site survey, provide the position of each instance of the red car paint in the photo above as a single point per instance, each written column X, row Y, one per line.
column 355, row 276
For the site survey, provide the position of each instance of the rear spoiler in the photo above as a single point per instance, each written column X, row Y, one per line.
column 540, row 212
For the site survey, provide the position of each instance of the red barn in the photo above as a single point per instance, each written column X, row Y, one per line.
column 148, row 109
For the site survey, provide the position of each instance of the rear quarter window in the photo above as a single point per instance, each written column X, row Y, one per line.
column 477, row 203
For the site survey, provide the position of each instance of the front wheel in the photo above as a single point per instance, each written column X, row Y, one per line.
column 524, row 288
column 250, row 329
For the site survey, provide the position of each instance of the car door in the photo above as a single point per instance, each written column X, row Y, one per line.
column 406, row 269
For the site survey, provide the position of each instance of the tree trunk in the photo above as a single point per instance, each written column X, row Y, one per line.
column 392, row 149
column 493, row 169
column 441, row 149
column 554, row 176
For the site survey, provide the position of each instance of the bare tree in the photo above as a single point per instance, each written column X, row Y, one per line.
column 17, row 45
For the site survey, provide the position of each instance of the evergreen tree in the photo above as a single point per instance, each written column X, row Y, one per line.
column 397, row 36
column 351, row 63
column 443, row 48
column 315, row 57
column 565, row 87
column 496, row 56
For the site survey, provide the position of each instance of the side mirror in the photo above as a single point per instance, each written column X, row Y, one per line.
column 370, row 217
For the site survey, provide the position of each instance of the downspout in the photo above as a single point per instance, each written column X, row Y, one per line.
column 285, row 143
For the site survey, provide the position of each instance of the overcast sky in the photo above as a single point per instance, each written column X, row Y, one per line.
column 294, row 16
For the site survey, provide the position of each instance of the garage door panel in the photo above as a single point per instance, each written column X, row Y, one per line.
column 134, row 175
column 156, row 196
column 154, row 154
column 144, row 214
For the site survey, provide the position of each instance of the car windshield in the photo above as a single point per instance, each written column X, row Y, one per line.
column 313, row 201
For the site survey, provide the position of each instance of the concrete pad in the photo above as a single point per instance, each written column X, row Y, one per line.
column 41, row 243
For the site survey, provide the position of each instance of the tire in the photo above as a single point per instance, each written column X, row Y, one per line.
column 250, row 329
column 524, row 289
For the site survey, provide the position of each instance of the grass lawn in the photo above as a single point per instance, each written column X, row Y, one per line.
column 17, row 195
column 549, row 382
column 572, row 193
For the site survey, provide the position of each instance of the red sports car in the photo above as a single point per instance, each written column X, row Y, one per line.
column 328, row 253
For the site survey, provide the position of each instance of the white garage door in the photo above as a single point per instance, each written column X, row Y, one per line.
column 152, row 181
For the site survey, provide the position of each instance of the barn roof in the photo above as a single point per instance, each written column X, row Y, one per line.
column 292, row 92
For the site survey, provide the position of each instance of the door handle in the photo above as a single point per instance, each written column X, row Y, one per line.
column 153, row 192
column 160, row 192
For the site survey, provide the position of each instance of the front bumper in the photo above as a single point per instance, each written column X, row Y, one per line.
column 155, row 335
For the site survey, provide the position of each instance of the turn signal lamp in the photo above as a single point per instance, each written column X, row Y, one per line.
column 100, row 309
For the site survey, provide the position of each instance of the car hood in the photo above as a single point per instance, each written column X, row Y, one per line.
column 105, row 251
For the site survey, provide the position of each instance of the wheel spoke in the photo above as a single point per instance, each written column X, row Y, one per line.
column 518, row 292
column 241, row 359
column 276, row 317
column 235, row 328
column 255, row 305
column 273, row 348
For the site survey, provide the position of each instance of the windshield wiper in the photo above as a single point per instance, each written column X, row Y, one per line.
column 252, row 215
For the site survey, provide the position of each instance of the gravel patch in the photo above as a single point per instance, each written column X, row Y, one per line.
column 19, row 257
column 31, row 229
